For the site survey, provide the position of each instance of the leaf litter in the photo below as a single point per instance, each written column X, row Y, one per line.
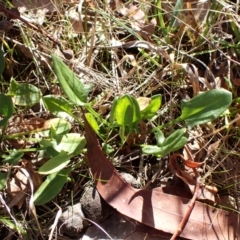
column 158, row 79
column 148, row 207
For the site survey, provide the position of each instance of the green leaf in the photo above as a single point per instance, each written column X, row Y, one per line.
column 13, row 87
column 57, row 125
column 72, row 143
column 92, row 121
column 136, row 113
column 3, row 180
column 55, row 164
column 2, row 62
column 9, row 223
column 76, row 91
column 176, row 11
column 152, row 108
column 107, row 148
column 112, row 113
column 58, row 106
column 172, row 143
column 6, row 109
column 24, row 94
column 14, row 157
column 205, row 107
column 51, row 187
column 127, row 112
column 151, row 149
column 159, row 136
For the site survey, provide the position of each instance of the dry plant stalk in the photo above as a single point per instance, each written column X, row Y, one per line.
column 191, row 204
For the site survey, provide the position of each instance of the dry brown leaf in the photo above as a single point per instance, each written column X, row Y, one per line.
column 36, row 9
column 238, row 121
column 212, row 147
column 18, row 187
column 139, row 18
column 138, row 138
column 5, row 25
column 192, row 72
column 26, row 5
column 236, row 81
column 155, row 208
column 143, row 102
column 18, row 124
column 75, row 19
column 199, row 9
column 182, row 169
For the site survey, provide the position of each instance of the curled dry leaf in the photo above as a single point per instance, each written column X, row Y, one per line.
column 156, row 208
column 19, row 188
column 182, row 169
column 192, row 72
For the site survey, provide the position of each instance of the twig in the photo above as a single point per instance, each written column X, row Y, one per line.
column 190, row 207
column 190, row 181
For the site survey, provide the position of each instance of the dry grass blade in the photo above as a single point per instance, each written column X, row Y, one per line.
column 54, row 225
column 33, row 183
column 99, row 227
column 9, row 210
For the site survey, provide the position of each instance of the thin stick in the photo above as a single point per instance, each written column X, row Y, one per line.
column 190, row 207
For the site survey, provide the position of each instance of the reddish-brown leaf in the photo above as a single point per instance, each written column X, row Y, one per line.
column 19, row 188
column 156, row 208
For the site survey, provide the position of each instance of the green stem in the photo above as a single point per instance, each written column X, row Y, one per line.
column 174, row 121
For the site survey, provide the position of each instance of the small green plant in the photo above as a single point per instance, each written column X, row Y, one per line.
column 126, row 114
column 166, row 145
column 55, row 141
